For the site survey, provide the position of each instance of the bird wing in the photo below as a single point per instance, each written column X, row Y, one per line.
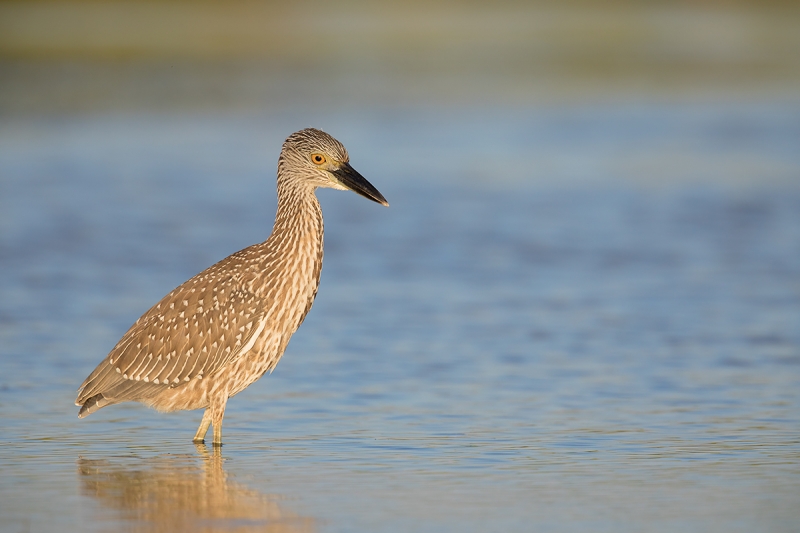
column 191, row 333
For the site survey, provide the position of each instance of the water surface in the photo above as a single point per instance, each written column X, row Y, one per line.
column 570, row 319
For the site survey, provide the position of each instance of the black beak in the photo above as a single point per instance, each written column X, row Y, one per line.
column 354, row 181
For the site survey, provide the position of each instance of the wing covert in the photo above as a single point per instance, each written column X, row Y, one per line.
column 189, row 334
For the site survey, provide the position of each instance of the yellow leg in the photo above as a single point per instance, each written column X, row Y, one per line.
column 217, row 409
column 217, row 434
column 217, row 421
column 200, row 436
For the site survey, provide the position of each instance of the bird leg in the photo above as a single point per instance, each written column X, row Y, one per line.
column 212, row 415
column 200, row 436
column 217, row 409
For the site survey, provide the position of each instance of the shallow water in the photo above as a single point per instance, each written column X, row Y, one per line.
column 570, row 319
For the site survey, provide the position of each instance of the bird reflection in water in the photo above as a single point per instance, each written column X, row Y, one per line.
column 175, row 493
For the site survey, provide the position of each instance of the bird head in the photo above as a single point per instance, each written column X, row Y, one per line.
column 317, row 159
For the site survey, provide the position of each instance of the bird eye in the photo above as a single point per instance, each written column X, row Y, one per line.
column 318, row 159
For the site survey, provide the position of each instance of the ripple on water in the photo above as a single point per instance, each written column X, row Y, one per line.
column 479, row 358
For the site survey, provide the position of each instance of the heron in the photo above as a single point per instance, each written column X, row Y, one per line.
column 220, row 331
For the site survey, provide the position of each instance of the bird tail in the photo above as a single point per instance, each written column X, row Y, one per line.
column 93, row 404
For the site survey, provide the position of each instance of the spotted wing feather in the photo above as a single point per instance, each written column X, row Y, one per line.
column 191, row 333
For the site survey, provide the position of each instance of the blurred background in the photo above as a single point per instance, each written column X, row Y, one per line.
column 580, row 313
column 78, row 57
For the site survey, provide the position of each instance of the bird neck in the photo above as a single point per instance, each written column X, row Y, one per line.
column 298, row 224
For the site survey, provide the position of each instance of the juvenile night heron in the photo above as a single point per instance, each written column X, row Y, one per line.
column 217, row 333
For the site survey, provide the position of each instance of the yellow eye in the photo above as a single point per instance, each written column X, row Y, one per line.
column 318, row 159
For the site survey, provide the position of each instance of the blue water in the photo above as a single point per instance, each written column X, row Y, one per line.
column 569, row 319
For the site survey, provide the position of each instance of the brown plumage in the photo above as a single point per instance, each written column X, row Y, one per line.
column 220, row 331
